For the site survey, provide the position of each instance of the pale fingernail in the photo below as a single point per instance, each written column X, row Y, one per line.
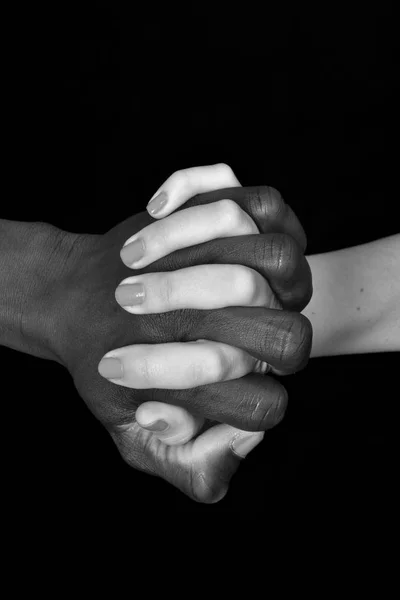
column 159, row 425
column 132, row 252
column 262, row 367
column 156, row 204
column 243, row 444
column 111, row 368
column 130, row 294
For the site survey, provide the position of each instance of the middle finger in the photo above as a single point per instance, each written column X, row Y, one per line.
column 199, row 287
column 178, row 365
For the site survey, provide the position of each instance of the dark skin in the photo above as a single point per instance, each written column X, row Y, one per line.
column 82, row 321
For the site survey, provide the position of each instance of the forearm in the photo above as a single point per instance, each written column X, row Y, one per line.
column 32, row 258
column 355, row 306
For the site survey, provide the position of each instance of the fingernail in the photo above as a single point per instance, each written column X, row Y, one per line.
column 111, row 368
column 156, row 204
column 132, row 252
column 130, row 294
column 159, row 425
column 243, row 444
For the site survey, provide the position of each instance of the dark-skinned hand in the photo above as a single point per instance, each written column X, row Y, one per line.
column 88, row 323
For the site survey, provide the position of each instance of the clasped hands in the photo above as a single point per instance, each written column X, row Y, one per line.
column 175, row 324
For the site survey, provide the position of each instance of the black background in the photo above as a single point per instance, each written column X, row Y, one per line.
column 101, row 107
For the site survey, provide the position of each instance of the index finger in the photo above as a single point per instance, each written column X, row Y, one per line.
column 264, row 204
column 207, row 184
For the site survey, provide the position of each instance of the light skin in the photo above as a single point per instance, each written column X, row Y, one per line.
column 355, row 307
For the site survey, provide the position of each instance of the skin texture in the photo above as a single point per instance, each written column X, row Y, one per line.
column 93, row 324
column 202, row 286
column 59, row 303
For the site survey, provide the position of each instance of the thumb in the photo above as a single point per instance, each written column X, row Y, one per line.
column 216, row 456
column 202, row 468
column 170, row 424
column 225, row 439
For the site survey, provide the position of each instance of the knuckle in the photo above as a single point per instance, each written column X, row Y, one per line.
column 216, row 368
column 182, row 181
column 223, row 365
column 246, row 285
column 182, row 177
column 301, row 286
column 166, row 290
column 283, row 255
column 231, row 214
column 225, row 169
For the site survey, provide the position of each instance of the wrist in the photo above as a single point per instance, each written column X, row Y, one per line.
column 34, row 257
column 355, row 303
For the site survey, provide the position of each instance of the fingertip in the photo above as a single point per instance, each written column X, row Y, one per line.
column 132, row 251
column 111, row 367
column 159, row 425
column 186, row 183
column 244, row 442
column 156, row 204
column 172, row 425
